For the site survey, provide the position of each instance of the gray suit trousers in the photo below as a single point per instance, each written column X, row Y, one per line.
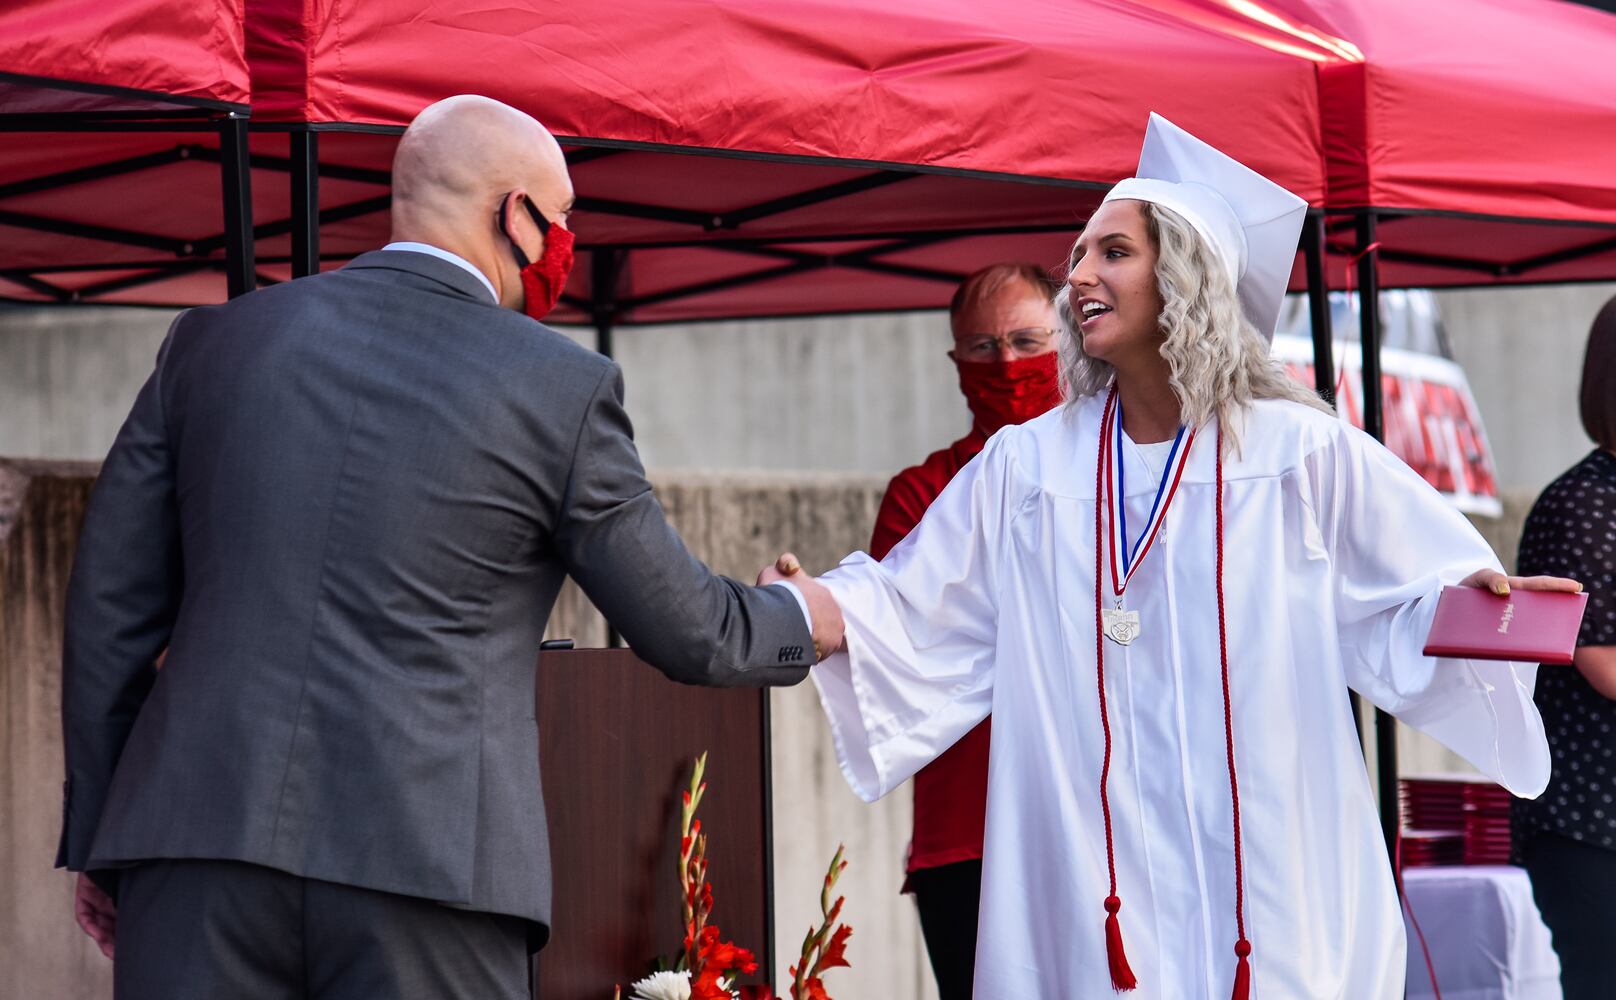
column 222, row 930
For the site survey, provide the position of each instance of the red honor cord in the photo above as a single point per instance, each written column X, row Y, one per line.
column 1122, row 976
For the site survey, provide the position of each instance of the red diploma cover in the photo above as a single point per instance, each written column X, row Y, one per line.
column 1530, row 625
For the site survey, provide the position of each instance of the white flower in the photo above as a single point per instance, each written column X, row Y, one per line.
column 663, row 986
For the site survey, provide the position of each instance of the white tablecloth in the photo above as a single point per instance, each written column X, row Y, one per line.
column 1486, row 938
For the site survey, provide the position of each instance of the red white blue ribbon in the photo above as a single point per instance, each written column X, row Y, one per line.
column 1125, row 560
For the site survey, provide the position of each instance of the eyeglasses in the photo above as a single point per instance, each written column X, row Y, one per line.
column 1024, row 343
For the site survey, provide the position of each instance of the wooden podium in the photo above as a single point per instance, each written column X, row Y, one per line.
column 617, row 741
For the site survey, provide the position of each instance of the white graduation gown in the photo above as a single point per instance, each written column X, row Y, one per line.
column 1335, row 552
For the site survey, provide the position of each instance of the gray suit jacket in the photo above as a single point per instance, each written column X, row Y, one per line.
column 345, row 504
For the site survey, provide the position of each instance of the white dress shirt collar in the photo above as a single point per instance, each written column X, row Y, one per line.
column 452, row 258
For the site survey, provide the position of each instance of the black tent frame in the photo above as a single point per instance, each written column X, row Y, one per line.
column 1348, row 232
column 128, row 110
column 777, row 257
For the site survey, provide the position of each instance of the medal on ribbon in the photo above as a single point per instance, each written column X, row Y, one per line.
column 1122, row 626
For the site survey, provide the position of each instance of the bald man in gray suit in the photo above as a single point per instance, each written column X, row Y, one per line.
column 344, row 505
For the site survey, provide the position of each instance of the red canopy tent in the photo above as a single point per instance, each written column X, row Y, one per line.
column 1403, row 104
column 1479, row 133
column 1037, row 96
column 746, row 159
column 135, row 58
column 101, row 191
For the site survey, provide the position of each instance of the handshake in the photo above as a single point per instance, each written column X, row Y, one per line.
column 824, row 613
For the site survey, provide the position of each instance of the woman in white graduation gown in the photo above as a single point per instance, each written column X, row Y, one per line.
column 1162, row 591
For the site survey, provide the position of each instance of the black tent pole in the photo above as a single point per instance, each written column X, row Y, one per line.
column 235, row 171
column 305, row 202
column 1318, row 305
column 1374, row 424
column 604, row 263
column 1369, row 325
column 603, row 295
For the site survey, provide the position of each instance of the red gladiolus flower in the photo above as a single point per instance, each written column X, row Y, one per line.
column 705, row 987
column 835, row 953
column 716, row 960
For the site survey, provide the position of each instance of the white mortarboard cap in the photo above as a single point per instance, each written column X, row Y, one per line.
column 1251, row 223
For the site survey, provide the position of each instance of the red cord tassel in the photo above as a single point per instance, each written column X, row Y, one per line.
column 1121, row 975
column 1242, row 970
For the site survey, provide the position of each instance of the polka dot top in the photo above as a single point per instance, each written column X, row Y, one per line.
column 1572, row 532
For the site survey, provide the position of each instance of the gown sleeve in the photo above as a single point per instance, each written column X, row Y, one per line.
column 1394, row 542
column 922, row 624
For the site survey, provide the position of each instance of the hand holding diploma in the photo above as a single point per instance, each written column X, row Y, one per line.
column 1498, row 583
column 1539, row 624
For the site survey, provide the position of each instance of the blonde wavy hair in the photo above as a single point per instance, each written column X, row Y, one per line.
column 1218, row 362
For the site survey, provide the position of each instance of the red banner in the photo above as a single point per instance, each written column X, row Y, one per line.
column 1430, row 418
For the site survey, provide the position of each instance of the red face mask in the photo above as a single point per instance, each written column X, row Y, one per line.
column 1001, row 393
column 544, row 279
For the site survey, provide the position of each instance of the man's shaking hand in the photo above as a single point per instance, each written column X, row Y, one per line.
column 822, row 607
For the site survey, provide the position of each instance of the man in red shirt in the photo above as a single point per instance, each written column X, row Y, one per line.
column 1003, row 318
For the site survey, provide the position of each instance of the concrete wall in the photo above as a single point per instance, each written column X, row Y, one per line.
column 69, row 375
column 42, row 952
column 1522, row 351
column 868, row 395
column 863, row 395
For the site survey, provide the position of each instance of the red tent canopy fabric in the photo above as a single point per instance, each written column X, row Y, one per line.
column 744, row 158
column 118, row 217
column 747, row 158
column 1483, row 107
column 1399, row 112
column 1481, row 131
column 1033, row 89
column 78, row 56
column 81, row 206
